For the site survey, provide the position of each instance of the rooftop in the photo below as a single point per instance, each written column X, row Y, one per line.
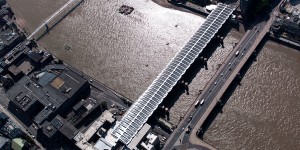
column 83, row 138
column 139, row 136
column 53, row 92
column 64, row 127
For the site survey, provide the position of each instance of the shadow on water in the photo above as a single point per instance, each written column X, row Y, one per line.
column 190, row 74
column 232, row 87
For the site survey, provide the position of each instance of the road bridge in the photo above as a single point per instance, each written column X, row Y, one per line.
column 148, row 102
column 219, row 83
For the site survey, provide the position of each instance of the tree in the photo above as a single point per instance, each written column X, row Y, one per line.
column 103, row 105
column 259, row 6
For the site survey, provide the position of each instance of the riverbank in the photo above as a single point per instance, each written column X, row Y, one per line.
column 166, row 4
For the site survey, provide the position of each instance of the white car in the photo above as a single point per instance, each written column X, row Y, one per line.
column 202, row 101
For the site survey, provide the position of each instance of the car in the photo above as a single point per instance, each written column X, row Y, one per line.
column 112, row 105
column 237, row 53
column 190, row 118
column 202, row 101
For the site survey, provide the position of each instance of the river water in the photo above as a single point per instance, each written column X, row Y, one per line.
column 263, row 113
column 126, row 53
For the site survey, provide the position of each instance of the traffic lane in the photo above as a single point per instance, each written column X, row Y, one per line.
column 213, row 90
column 233, row 61
column 180, row 130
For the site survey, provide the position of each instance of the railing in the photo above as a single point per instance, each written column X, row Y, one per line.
column 54, row 19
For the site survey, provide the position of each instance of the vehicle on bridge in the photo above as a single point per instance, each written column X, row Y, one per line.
column 237, row 53
column 197, row 103
column 202, row 101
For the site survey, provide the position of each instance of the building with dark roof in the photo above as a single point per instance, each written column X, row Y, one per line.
column 45, row 98
column 16, row 53
column 3, row 118
column 15, row 72
column 8, row 40
column 9, row 128
column 4, row 143
column 5, row 10
column 2, row 2
column 64, row 127
column 57, row 129
column 49, row 94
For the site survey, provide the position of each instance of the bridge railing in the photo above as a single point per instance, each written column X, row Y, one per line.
column 54, row 19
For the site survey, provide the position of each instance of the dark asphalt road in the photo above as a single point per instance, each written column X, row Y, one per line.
column 214, row 88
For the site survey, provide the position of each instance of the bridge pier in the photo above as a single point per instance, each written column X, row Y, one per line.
column 205, row 63
column 54, row 19
column 47, row 27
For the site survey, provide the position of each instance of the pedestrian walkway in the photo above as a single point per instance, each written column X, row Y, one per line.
column 147, row 103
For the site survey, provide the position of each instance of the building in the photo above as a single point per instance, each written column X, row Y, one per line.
column 93, row 137
column 4, row 143
column 45, row 98
column 49, row 94
column 17, row 53
column 56, row 129
column 137, row 140
column 151, row 142
column 2, row 2
column 19, row 144
column 8, row 40
column 8, row 128
column 291, row 25
column 288, row 21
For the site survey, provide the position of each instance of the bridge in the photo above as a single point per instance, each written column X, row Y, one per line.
column 55, row 18
column 148, row 102
column 218, row 85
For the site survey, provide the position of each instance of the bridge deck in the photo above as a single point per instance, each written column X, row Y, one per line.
column 147, row 103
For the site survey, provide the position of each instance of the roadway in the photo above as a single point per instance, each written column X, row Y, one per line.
column 219, row 83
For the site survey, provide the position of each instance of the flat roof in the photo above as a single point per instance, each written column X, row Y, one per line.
column 83, row 138
column 8, row 36
column 26, row 91
column 64, row 127
column 139, row 136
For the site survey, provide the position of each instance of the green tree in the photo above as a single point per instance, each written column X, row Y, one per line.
column 103, row 105
column 259, row 6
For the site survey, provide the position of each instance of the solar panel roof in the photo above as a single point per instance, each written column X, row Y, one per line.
column 147, row 103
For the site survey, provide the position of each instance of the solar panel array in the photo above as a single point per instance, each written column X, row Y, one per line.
column 147, row 103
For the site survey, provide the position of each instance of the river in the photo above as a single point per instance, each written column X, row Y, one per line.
column 126, row 53
column 263, row 112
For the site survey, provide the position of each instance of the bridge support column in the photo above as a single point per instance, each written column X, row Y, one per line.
column 47, row 27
